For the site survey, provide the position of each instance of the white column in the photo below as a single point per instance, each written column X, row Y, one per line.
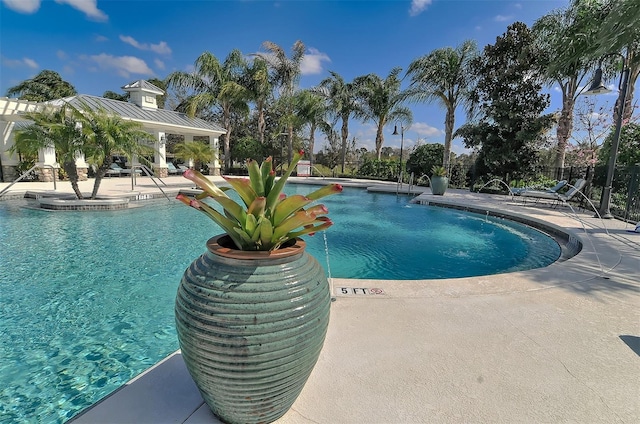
column 47, row 161
column 82, row 167
column 160, row 154
column 214, row 166
column 9, row 160
column 188, row 138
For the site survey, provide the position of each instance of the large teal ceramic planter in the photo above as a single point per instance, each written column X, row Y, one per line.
column 439, row 185
column 251, row 326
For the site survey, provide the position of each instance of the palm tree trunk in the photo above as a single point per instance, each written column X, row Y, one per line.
column 379, row 141
column 345, row 136
column 72, row 173
column 100, row 173
column 449, row 122
column 563, row 132
column 312, row 139
column 262, row 124
column 290, row 145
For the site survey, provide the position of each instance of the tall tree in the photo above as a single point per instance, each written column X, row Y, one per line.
column 444, row 76
column 106, row 134
column 256, row 80
column 603, row 29
column 286, row 76
column 215, row 84
column 549, row 32
column 342, row 100
column 312, row 111
column 511, row 105
column 47, row 85
column 381, row 101
column 57, row 128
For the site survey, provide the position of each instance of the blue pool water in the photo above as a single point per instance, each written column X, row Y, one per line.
column 87, row 298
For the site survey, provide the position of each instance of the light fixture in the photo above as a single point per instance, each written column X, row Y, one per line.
column 395, row 132
column 596, row 86
column 605, row 201
column 163, row 140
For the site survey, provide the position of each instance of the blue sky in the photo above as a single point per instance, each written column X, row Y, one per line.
column 100, row 45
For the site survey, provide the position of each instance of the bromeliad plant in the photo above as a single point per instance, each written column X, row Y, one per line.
column 269, row 218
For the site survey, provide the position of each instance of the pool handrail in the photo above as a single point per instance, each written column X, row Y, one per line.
column 27, row 173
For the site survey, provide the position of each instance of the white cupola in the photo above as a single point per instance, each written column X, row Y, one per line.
column 143, row 94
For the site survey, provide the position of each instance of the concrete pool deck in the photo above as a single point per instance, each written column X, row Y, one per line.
column 557, row 344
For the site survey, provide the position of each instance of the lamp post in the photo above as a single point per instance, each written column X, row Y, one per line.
column 598, row 88
column 395, row 132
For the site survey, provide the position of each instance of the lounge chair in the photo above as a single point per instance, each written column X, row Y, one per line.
column 172, row 169
column 127, row 171
column 557, row 198
column 554, row 189
column 114, row 169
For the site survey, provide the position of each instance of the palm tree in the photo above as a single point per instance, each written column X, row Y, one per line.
column 57, row 128
column 444, row 76
column 342, row 102
column 256, row 80
column 194, row 151
column 106, row 134
column 47, row 85
column 216, row 84
column 549, row 32
column 380, row 100
column 312, row 111
column 285, row 75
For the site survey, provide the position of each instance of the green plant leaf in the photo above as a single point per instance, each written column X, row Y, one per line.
column 325, row 191
column 242, row 186
column 255, row 177
column 288, row 206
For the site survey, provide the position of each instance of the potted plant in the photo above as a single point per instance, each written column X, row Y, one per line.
column 253, row 310
column 439, row 180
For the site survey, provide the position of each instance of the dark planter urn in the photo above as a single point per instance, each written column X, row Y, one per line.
column 251, row 326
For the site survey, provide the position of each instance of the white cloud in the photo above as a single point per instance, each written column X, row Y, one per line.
column 517, row 6
column 161, row 48
column 88, row 7
column 30, row 63
column 426, row 130
column 502, row 18
column 478, row 28
column 61, row 55
column 312, row 62
column 418, row 6
column 131, row 41
column 19, row 63
column 123, row 65
column 159, row 64
column 23, row 6
column 101, row 38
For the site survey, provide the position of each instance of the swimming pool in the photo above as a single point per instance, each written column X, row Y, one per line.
column 87, row 298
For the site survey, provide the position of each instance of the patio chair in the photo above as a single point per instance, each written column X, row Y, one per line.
column 554, row 189
column 172, row 169
column 114, row 169
column 557, row 198
column 127, row 171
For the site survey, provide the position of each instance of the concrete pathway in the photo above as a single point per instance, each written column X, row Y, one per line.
column 554, row 345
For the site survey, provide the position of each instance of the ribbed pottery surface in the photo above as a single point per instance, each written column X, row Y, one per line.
column 251, row 330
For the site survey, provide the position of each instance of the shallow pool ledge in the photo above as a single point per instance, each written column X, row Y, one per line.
column 165, row 393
